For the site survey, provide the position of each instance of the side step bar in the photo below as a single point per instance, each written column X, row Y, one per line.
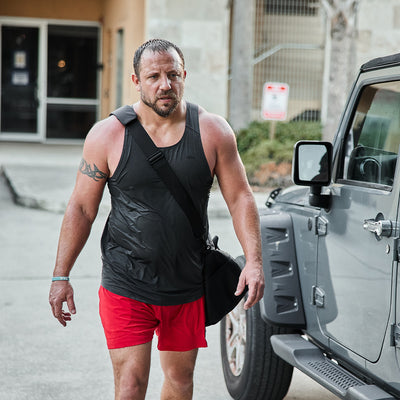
column 309, row 359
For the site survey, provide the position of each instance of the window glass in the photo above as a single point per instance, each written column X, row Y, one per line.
column 72, row 62
column 72, row 121
column 373, row 140
column 19, row 79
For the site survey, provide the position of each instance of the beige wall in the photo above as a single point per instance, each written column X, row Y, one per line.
column 89, row 10
column 128, row 15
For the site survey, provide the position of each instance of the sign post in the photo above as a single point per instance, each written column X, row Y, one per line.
column 274, row 103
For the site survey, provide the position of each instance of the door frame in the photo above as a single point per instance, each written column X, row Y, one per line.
column 42, row 24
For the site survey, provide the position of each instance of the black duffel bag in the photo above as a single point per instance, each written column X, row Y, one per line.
column 220, row 278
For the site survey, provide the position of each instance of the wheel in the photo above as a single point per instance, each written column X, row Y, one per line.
column 252, row 370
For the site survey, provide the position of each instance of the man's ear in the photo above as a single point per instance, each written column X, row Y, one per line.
column 136, row 82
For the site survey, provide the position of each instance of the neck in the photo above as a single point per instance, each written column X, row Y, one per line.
column 165, row 131
column 147, row 116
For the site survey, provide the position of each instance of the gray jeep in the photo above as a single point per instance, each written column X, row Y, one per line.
column 331, row 252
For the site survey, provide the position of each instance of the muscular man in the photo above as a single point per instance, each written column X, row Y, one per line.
column 151, row 280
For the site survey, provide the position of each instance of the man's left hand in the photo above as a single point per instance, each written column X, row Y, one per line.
column 252, row 276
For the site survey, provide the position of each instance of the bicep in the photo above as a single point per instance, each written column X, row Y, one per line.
column 230, row 171
column 87, row 194
column 219, row 142
column 91, row 178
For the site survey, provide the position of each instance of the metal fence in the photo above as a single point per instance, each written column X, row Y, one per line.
column 289, row 48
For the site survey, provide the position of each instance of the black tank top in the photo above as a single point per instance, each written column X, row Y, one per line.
column 149, row 251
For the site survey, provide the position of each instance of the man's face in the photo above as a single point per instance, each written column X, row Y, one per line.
column 162, row 81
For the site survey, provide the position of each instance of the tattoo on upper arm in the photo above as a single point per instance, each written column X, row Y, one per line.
column 91, row 172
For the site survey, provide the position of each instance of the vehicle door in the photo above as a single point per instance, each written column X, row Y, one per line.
column 356, row 253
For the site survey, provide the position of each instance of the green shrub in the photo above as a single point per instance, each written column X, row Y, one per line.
column 257, row 148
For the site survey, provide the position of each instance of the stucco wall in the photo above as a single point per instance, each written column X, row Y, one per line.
column 379, row 29
column 201, row 30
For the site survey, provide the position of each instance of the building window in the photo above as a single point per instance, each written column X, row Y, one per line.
column 120, row 67
column 49, row 79
column 72, row 80
column 291, row 7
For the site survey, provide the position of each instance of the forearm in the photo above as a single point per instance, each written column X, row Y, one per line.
column 247, row 227
column 74, row 233
column 246, row 223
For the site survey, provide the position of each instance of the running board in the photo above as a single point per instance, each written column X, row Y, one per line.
column 309, row 359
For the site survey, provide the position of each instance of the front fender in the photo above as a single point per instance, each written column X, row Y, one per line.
column 282, row 304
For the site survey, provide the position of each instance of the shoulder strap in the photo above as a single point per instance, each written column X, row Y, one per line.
column 125, row 114
column 193, row 116
column 158, row 161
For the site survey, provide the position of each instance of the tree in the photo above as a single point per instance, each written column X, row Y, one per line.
column 339, row 60
column 241, row 85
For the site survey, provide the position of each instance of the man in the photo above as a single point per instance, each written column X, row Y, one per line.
column 151, row 260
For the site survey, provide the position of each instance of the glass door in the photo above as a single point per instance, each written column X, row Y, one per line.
column 49, row 79
column 72, row 80
column 19, row 79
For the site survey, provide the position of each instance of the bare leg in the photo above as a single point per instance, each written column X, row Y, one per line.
column 178, row 370
column 131, row 371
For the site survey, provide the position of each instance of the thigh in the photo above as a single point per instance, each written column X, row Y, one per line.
column 178, row 365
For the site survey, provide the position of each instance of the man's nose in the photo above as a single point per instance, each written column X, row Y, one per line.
column 165, row 83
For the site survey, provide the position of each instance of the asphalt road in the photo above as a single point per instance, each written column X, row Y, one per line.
column 39, row 359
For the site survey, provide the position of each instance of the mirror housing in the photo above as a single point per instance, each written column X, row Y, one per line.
column 312, row 166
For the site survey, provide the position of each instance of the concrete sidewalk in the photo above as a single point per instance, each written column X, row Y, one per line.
column 42, row 176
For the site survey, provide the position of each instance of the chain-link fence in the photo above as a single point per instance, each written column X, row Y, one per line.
column 288, row 47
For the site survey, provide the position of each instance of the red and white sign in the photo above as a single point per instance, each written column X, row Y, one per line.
column 275, row 101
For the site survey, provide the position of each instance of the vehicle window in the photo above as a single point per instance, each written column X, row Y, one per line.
column 372, row 142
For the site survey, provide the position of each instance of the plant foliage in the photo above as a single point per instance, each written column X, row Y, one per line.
column 257, row 148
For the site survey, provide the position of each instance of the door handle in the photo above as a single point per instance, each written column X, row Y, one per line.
column 383, row 227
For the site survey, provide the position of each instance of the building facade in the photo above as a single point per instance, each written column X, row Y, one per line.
column 65, row 65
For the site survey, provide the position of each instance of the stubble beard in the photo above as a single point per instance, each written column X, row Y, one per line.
column 162, row 112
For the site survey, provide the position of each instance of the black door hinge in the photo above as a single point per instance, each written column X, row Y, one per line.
column 318, row 297
column 395, row 335
column 321, row 226
column 396, row 249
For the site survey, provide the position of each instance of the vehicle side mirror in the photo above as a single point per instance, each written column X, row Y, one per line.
column 312, row 166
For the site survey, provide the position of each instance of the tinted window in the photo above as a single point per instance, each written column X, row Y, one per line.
column 372, row 142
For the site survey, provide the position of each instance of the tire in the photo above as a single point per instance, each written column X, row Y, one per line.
column 252, row 370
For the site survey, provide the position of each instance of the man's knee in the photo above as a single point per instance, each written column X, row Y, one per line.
column 131, row 389
column 179, row 377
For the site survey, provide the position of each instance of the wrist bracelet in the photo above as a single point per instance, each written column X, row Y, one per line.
column 60, row 278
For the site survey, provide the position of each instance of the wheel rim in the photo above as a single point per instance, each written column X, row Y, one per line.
column 235, row 338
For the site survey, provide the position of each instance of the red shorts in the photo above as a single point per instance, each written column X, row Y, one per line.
column 129, row 322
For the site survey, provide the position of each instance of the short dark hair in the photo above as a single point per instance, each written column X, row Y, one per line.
column 157, row 46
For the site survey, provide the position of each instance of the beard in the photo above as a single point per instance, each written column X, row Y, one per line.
column 162, row 111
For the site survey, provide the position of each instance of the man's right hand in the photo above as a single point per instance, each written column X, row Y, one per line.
column 60, row 292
